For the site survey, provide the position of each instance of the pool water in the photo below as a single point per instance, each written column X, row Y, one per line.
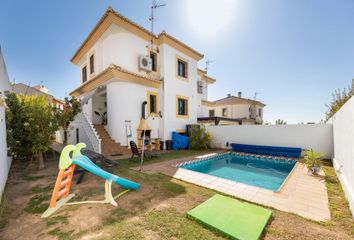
column 264, row 172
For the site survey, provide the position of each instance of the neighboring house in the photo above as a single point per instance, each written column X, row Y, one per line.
column 124, row 77
column 5, row 161
column 21, row 88
column 231, row 110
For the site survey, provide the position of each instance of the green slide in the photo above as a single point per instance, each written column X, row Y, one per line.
column 233, row 218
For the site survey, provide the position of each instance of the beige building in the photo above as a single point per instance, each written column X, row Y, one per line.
column 232, row 110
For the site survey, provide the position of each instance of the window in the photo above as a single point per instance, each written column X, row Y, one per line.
column 84, row 74
column 92, row 64
column 211, row 113
column 200, row 87
column 224, row 112
column 153, row 58
column 260, row 112
column 182, row 68
column 182, row 107
column 152, row 103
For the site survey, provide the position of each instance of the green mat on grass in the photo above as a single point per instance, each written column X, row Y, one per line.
column 238, row 220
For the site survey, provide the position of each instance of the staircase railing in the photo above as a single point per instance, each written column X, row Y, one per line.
column 90, row 132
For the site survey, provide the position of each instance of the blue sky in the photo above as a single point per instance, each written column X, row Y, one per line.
column 293, row 53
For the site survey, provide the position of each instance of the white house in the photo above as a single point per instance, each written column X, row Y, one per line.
column 5, row 161
column 231, row 110
column 128, row 72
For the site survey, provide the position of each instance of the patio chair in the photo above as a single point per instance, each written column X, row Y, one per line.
column 135, row 151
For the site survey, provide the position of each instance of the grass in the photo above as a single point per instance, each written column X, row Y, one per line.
column 4, row 210
column 38, row 203
column 163, row 224
column 33, row 178
column 40, row 189
column 56, row 220
column 162, row 157
column 57, row 232
column 338, row 204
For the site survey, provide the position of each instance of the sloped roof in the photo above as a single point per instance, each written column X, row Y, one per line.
column 114, row 71
column 111, row 16
column 21, row 88
column 202, row 73
column 233, row 100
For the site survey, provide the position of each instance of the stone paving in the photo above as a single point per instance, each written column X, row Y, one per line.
column 302, row 193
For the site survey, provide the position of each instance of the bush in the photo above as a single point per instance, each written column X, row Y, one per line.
column 200, row 139
column 339, row 98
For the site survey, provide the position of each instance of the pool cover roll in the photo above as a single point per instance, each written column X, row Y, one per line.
column 267, row 150
column 179, row 141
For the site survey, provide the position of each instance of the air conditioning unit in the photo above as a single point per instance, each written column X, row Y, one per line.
column 200, row 87
column 145, row 63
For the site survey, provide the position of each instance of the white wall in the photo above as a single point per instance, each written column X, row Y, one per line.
column 343, row 135
column 315, row 136
column 116, row 46
column 124, row 100
column 174, row 86
column 59, row 136
column 98, row 105
column 5, row 161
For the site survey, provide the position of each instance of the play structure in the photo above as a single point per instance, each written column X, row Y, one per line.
column 61, row 193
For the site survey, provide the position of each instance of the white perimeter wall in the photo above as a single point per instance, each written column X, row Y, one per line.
column 313, row 136
column 5, row 161
column 343, row 135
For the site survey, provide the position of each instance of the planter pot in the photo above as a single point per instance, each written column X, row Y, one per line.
column 315, row 170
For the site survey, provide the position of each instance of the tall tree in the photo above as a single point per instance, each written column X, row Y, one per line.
column 66, row 115
column 31, row 126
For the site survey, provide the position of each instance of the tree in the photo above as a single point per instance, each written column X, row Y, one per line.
column 30, row 126
column 64, row 117
column 280, row 122
column 339, row 98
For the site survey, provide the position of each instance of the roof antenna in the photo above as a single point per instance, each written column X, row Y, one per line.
column 207, row 63
column 154, row 6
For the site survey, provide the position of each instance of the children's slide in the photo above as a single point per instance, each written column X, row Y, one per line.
column 89, row 166
column 61, row 196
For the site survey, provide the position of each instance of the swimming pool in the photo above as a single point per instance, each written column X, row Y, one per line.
column 259, row 171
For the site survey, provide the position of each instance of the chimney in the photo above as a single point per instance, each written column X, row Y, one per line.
column 239, row 94
column 228, row 95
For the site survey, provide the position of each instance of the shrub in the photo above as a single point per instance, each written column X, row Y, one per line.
column 339, row 98
column 313, row 160
column 200, row 139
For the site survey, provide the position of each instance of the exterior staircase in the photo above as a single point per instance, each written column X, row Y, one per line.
column 109, row 147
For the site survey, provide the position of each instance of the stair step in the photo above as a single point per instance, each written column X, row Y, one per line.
column 109, row 146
